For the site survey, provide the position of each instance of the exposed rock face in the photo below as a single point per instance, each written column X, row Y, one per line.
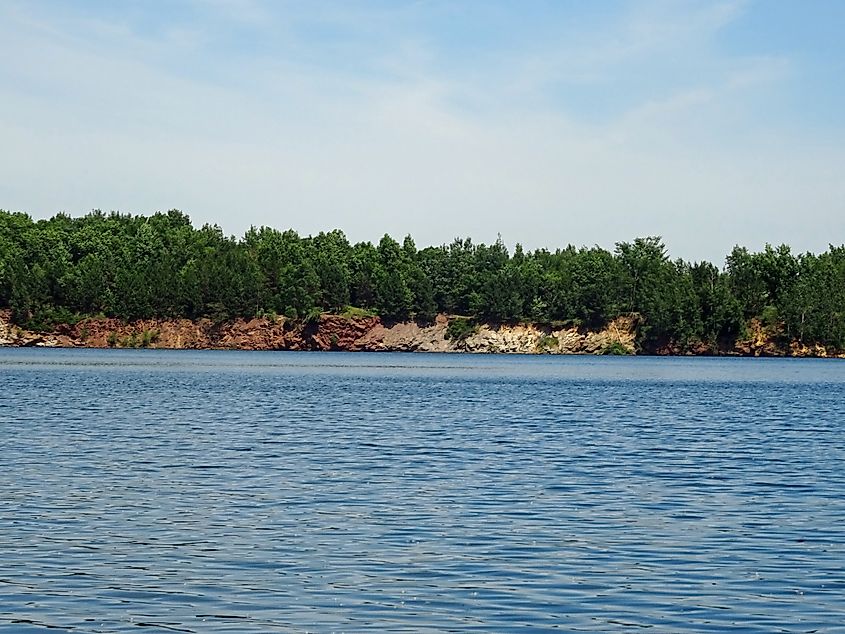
column 8, row 336
column 762, row 341
column 797, row 349
column 330, row 332
column 407, row 337
column 532, row 339
column 759, row 343
column 11, row 335
column 334, row 332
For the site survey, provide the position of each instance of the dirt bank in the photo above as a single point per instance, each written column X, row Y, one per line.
column 329, row 332
column 336, row 332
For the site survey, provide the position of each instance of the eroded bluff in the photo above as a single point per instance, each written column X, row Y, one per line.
column 328, row 332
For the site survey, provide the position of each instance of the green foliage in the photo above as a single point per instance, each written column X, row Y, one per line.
column 813, row 309
column 149, row 337
column 351, row 312
column 614, row 348
column 313, row 316
column 547, row 342
column 46, row 317
column 459, row 328
column 138, row 267
column 769, row 317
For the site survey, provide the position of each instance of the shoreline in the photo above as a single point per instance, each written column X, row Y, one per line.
column 330, row 332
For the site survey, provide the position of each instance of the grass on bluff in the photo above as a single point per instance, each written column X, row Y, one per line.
column 351, row 312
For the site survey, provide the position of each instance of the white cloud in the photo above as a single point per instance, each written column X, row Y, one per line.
column 113, row 123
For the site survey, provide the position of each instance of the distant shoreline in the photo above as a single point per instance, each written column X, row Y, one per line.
column 158, row 281
column 331, row 332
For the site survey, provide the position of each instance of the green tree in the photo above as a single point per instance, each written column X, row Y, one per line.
column 393, row 297
column 331, row 253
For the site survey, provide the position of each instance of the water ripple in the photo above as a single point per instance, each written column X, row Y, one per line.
column 276, row 492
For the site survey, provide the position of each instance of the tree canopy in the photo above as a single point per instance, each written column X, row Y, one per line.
column 134, row 267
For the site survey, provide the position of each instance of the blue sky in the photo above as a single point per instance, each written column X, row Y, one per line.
column 708, row 123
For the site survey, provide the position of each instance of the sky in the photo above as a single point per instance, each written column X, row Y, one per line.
column 549, row 123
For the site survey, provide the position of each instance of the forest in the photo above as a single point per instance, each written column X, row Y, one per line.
column 135, row 267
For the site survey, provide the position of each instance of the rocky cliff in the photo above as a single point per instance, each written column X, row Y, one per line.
column 329, row 332
column 336, row 332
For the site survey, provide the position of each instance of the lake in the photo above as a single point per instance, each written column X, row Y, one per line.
column 217, row 491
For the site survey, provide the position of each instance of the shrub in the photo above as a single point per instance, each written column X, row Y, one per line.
column 546, row 342
column 615, row 348
column 459, row 328
column 46, row 318
column 313, row 316
column 148, row 337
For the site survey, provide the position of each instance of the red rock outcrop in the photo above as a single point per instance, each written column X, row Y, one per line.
column 335, row 332
column 368, row 333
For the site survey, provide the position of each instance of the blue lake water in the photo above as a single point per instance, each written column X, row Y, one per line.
column 291, row 492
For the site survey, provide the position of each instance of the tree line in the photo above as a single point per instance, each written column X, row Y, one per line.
column 137, row 267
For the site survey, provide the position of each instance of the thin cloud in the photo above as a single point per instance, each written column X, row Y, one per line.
column 351, row 116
